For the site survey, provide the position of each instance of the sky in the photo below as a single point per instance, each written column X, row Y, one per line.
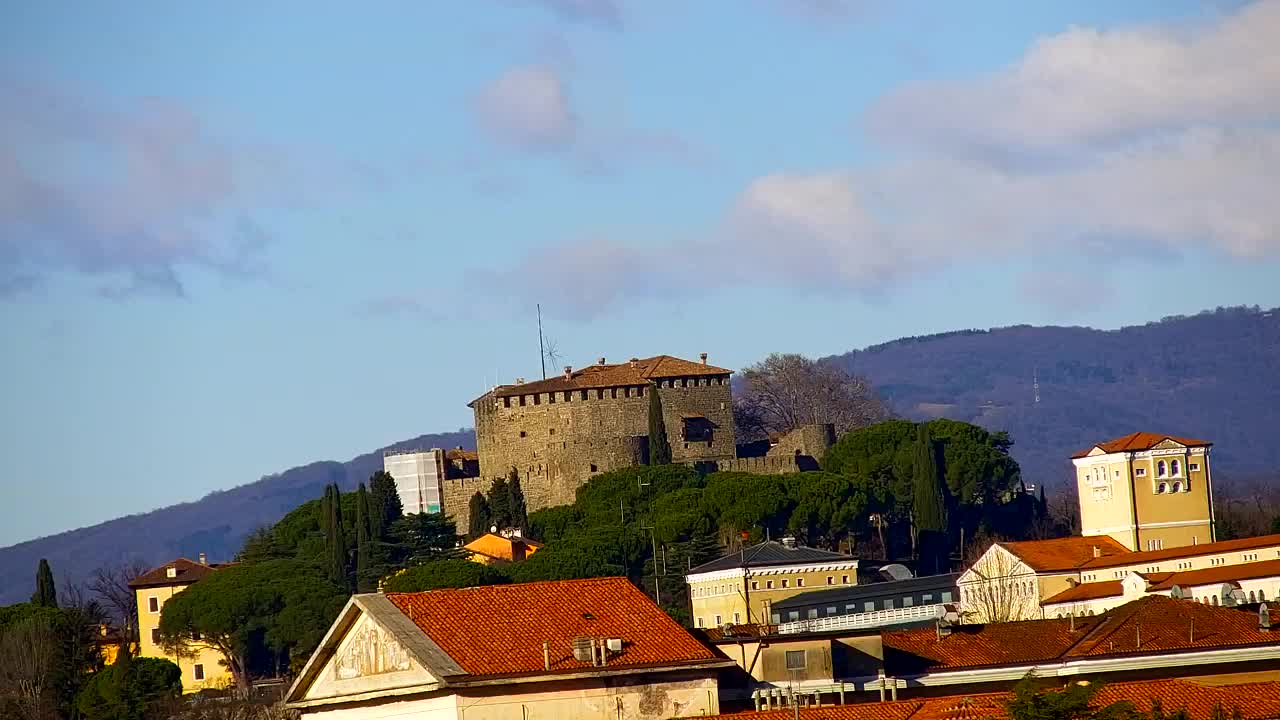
column 239, row 237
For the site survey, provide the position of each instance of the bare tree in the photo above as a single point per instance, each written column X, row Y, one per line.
column 28, row 651
column 997, row 587
column 784, row 392
column 110, row 584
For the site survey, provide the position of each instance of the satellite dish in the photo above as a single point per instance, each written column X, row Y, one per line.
column 896, row 571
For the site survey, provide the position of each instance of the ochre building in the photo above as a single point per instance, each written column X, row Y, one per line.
column 202, row 666
column 560, row 432
column 1147, row 491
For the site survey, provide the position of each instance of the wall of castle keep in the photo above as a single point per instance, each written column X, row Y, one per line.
column 558, row 441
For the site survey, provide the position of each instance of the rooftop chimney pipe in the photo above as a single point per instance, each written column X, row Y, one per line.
column 600, row 361
column 1097, row 551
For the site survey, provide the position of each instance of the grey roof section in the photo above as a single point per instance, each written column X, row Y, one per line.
column 894, row 588
column 770, row 552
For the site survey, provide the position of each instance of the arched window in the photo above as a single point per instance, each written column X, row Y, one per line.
column 1262, row 595
column 1162, row 488
column 1213, row 600
column 1175, row 468
column 1161, row 469
column 1252, row 598
column 1177, row 487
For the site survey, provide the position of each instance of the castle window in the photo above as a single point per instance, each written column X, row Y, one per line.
column 1193, row 467
column 523, row 433
column 613, row 392
column 600, row 394
column 1175, row 468
column 551, row 431
column 568, row 396
column 1161, row 469
column 697, row 428
column 1140, row 472
column 551, row 397
column 506, row 402
column 522, row 401
column 584, row 395
column 537, row 398
column 593, row 467
column 737, row 619
column 640, row 391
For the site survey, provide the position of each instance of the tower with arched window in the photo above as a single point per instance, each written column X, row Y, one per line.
column 1148, row 491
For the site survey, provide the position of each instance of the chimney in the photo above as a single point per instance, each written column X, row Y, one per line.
column 204, row 559
column 635, row 361
column 703, row 357
column 519, row 381
column 1097, row 551
column 789, row 542
column 568, row 372
column 546, row 655
column 600, row 361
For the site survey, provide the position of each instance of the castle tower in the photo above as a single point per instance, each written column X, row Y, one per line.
column 1147, row 491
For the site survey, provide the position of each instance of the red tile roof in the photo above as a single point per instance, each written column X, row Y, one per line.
column 1186, row 551
column 1152, row 624
column 499, row 629
column 1134, row 442
column 1087, row 591
column 1256, row 701
column 633, row 373
column 1068, row 553
column 187, row 573
column 1215, row 575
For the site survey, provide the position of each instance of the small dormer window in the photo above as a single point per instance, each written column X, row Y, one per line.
column 171, row 572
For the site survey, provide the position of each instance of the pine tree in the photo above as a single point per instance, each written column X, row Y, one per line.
column 930, row 509
column 659, row 446
column 335, row 541
column 519, row 509
column 479, row 516
column 384, row 504
column 364, row 543
column 46, row 594
column 499, row 502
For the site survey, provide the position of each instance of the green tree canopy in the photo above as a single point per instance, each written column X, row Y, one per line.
column 384, row 503
column 128, row 688
column 479, row 516
column 440, row 574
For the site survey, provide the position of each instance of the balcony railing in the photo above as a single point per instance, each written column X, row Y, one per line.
column 857, row 621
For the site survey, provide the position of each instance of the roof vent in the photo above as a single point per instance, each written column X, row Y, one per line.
column 171, row 572
column 789, row 542
column 582, row 649
column 600, row 361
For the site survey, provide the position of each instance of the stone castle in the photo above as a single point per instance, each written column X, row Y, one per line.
column 560, row 432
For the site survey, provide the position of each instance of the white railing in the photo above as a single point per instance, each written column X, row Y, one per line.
column 855, row 621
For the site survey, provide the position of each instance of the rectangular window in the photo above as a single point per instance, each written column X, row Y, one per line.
column 551, row 397
column 537, row 398
column 717, row 621
column 850, row 609
column 832, row 610
column 908, row 601
column 582, row 395
column 775, row 618
column 869, row 606
column 831, row 580
column 844, row 579
column 785, row 583
column 155, row 636
column 755, row 585
column 153, row 604
column 1193, row 466
column 768, row 584
column 794, row 615
column 568, row 396
column 927, row 598
column 737, row 618
column 795, row 659
column 506, row 402
column 1140, row 472
column 613, row 393
column 946, row 596
column 812, row 613
column 799, row 582
column 198, row 671
column 700, row 623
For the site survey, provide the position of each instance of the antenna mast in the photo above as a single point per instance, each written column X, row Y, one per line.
column 1035, row 381
column 542, row 354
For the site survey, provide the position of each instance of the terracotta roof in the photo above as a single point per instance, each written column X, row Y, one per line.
column 187, row 573
column 1256, row 701
column 499, row 629
column 639, row 372
column 496, row 546
column 1068, row 553
column 1215, row 575
column 1087, row 591
column 744, row 631
column 1147, row 556
column 1160, row 624
column 1137, row 441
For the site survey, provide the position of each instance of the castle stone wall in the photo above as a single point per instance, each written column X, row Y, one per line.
column 811, row 440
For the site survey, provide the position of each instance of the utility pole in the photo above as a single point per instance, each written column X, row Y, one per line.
column 542, row 353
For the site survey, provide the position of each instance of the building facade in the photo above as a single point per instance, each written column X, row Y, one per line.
column 569, row 650
column 1147, row 491
column 202, row 665
column 560, row 432
column 741, row 587
column 877, row 604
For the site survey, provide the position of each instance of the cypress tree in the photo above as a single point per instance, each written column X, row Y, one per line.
column 930, row 509
column 46, row 594
column 499, row 502
column 384, row 504
column 364, row 542
column 519, row 509
column 479, row 516
column 335, row 542
column 659, row 446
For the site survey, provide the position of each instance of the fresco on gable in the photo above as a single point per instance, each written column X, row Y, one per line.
column 369, row 650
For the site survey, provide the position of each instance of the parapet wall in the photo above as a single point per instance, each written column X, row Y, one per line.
column 771, row 465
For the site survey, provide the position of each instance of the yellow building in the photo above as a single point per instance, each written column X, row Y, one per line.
column 1147, row 491
column 202, row 665
column 491, row 549
column 740, row 587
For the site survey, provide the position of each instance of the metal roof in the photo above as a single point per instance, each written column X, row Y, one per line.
column 851, row 593
column 770, row 552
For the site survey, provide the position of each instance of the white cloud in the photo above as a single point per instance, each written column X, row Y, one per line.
column 1086, row 87
column 530, row 107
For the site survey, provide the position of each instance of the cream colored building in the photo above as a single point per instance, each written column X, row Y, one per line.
column 1015, row 580
column 1147, row 491
column 740, row 587
column 567, row 650
column 202, row 665
column 1245, row 583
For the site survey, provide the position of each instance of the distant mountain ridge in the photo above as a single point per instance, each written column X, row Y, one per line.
column 1215, row 376
column 215, row 524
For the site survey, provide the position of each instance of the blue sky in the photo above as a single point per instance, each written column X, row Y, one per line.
column 235, row 239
